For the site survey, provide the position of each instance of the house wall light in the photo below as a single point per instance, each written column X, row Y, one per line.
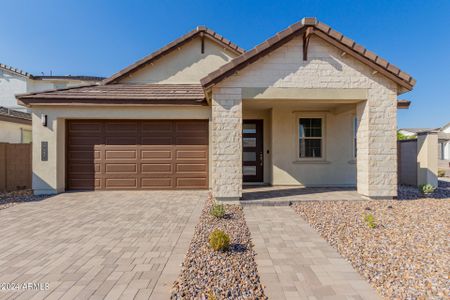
column 44, row 120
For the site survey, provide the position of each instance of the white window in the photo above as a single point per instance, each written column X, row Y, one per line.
column 355, row 133
column 25, row 136
column 310, row 137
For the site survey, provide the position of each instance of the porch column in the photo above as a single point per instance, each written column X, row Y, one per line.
column 377, row 146
column 226, row 143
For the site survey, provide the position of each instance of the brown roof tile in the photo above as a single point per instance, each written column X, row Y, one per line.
column 121, row 94
column 322, row 30
column 172, row 46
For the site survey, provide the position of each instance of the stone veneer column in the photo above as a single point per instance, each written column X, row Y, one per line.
column 377, row 145
column 226, row 143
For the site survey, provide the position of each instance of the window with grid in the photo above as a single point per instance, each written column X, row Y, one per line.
column 310, row 133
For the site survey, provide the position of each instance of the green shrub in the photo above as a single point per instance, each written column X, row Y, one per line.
column 441, row 173
column 427, row 188
column 211, row 295
column 370, row 220
column 219, row 240
column 218, row 210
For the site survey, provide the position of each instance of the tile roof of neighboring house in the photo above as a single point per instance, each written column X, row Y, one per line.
column 14, row 115
column 74, row 77
column 417, row 130
column 15, row 70
column 180, row 94
column 443, row 136
column 307, row 27
column 41, row 77
column 199, row 31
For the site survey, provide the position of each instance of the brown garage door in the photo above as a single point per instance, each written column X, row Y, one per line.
column 122, row 154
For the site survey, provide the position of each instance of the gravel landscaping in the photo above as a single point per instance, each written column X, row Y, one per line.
column 208, row 274
column 13, row 198
column 406, row 255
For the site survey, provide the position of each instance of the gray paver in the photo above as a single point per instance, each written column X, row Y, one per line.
column 98, row 245
column 294, row 262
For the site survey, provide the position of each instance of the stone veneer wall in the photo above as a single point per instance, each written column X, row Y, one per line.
column 226, row 143
column 327, row 68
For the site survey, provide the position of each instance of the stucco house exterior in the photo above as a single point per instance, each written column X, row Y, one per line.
column 15, row 119
column 307, row 107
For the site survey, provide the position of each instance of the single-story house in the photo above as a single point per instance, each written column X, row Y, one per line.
column 306, row 107
column 15, row 126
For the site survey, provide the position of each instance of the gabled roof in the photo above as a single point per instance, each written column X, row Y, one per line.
column 307, row 27
column 11, row 115
column 199, row 31
column 119, row 94
column 43, row 77
column 15, row 71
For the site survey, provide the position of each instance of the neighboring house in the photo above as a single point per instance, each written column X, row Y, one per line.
column 444, row 142
column 15, row 126
column 443, row 138
column 307, row 107
column 14, row 81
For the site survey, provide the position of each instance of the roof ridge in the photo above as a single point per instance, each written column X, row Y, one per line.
column 55, row 90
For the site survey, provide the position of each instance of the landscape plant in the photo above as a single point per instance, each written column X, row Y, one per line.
column 427, row 188
column 218, row 210
column 370, row 220
column 219, row 240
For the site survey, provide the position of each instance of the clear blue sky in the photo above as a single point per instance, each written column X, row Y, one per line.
column 89, row 37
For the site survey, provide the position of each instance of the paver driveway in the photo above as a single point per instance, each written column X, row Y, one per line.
column 97, row 245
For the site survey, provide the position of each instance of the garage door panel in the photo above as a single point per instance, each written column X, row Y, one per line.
column 115, row 154
column 114, row 127
column 120, row 154
column 121, row 140
column 190, row 167
column 83, row 168
column 86, row 140
column 157, row 140
column 121, row 168
column 83, row 155
column 121, row 183
column 152, row 127
column 191, row 183
column 156, row 154
column 191, row 154
column 157, row 183
column 80, row 126
column 147, row 168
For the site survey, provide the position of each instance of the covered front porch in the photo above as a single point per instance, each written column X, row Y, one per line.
column 299, row 142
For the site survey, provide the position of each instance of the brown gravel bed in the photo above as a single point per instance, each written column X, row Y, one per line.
column 407, row 256
column 232, row 274
column 13, row 198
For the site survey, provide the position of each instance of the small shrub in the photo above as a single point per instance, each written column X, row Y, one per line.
column 427, row 188
column 441, row 173
column 370, row 220
column 218, row 210
column 219, row 240
column 211, row 295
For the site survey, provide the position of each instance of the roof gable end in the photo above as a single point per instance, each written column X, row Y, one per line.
column 306, row 28
column 200, row 31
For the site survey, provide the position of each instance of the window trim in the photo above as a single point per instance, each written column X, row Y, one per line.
column 308, row 115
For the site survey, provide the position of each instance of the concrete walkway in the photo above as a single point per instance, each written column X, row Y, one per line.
column 98, row 245
column 294, row 262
